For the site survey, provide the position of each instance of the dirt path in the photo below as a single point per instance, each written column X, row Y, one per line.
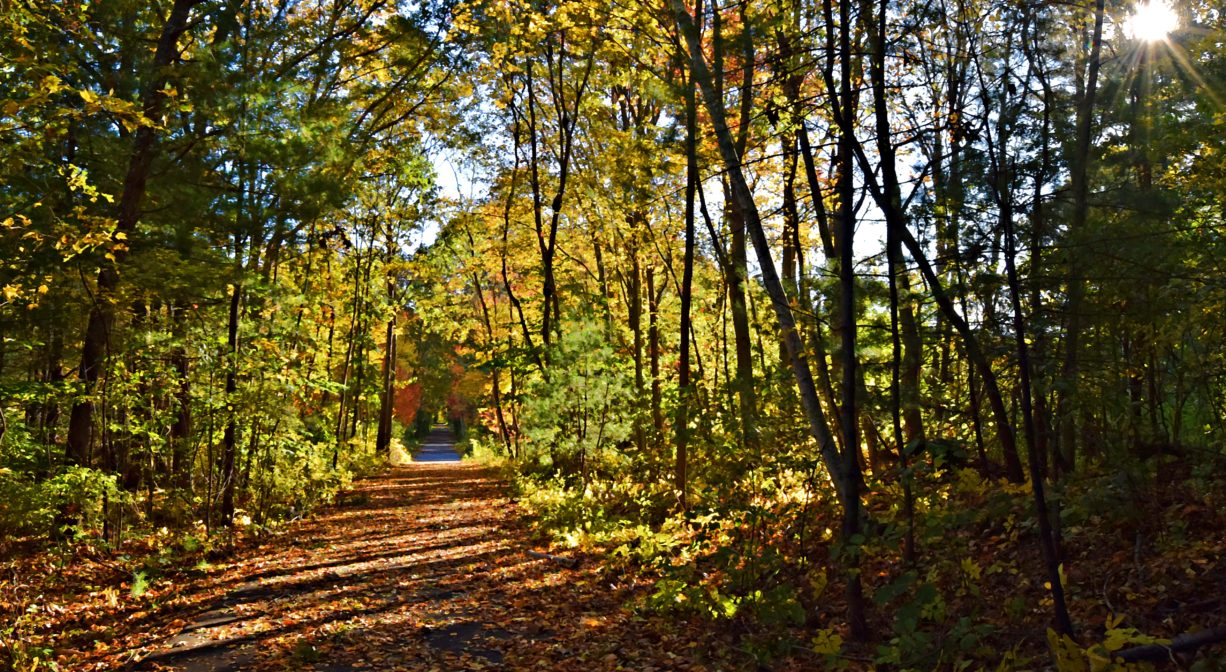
column 425, row 568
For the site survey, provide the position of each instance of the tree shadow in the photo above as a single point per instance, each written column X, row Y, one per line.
column 371, row 565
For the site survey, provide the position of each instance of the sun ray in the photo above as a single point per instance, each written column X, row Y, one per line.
column 1189, row 69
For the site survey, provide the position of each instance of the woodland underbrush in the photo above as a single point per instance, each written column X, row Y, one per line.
column 760, row 555
column 291, row 476
column 75, row 545
column 81, row 594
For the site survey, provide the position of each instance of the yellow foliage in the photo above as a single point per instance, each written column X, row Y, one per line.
column 827, row 642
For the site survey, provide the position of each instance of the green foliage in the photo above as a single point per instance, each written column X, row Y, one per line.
column 140, row 584
column 296, row 475
column 305, row 652
column 37, row 507
column 577, row 419
column 18, row 655
column 1071, row 657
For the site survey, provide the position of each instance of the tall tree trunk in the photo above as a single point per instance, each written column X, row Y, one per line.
column 52, row 375
column 101, row 315
column 894, row 259
column 815, row 192
column 634, row 295
column 791, row 220
column 181, row 429
column 857, row 619
column 387, row 397
column 793, row 251
column 736, row 269
column 684, row 383
column 825, row 383
column 534, row 180
column 504, row 432
column 347, row 398
column 912, row 357
column 653, row 351
column 1042, row 415
column 1047, row 543
column 360, row 412
column 606, row 296
column 743, row 381
column 229, row 452
column 1066, row 406
column 516, row 305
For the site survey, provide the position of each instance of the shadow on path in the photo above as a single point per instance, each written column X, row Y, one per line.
column 424, row 568
column 398, row 554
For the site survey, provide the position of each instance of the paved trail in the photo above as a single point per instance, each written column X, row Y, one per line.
column 438, row 446
column 425, row 568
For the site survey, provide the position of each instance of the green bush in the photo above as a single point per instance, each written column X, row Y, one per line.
column 75, row 495
column 296, row 476
column 576, row 419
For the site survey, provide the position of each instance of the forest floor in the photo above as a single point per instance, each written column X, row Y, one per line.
column 426, row 567
column 432, row 566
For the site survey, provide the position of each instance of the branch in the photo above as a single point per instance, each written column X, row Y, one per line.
column 1181, row 644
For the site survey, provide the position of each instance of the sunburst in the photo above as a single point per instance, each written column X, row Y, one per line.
column 1152, row 21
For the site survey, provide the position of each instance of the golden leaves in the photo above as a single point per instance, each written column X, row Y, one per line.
column 126, row 112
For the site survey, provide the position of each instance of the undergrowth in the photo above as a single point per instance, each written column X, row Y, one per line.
column 753, row 554
column 137, row 570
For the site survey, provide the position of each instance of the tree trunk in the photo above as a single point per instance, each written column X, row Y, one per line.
column 181, row 429
column 1042, row 415
column 229, row 452
column 383, row 439
column 1047, row 544
column 503, row 431
column 743, row 382
column 653, row 352
column 101, row 315
column 894, row 259
column 687, row 282
column 634, row 295
column 912, row 356
column 516, row 305
column 387, row 398
column 856, row 616
column 1066, row 405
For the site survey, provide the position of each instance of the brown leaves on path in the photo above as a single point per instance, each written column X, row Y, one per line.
column 424, row 568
